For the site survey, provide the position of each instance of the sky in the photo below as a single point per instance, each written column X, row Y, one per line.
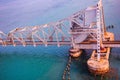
column 23, row 12
column 20, row 13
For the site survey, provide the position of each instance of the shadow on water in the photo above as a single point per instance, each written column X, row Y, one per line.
column 81, row 63
column 79, row 66
column 75, row 65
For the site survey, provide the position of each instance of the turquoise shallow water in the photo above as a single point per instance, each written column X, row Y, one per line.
column 48, row 63
column 37, row 65
column 46, row 66
column 29, row 67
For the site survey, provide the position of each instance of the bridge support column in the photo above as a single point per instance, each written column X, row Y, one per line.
column 99, row 67
column 75, row 52
column 98, row 64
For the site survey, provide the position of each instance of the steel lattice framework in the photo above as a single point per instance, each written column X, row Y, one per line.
column 87, row 24
column 59, row 31
column 49, row 32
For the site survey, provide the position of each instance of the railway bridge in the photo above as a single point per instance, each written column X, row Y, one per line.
column 84, row 29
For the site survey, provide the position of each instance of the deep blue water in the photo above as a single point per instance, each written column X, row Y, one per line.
column 47, row 63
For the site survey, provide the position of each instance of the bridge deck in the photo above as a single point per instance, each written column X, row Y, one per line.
column 38, row 43
column 92, row 45
column 83, row 45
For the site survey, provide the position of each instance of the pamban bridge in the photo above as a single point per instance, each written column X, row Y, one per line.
column 84, row 29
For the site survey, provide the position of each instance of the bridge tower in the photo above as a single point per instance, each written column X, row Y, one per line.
column 88, row 25
column 98, row 63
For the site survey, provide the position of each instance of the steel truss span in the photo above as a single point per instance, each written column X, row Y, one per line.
column 83, row 26
column 59, row 32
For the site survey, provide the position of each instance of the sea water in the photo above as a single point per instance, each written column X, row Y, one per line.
column 48, row 63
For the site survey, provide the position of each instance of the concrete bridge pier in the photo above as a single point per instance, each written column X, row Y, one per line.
column 75, row 52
